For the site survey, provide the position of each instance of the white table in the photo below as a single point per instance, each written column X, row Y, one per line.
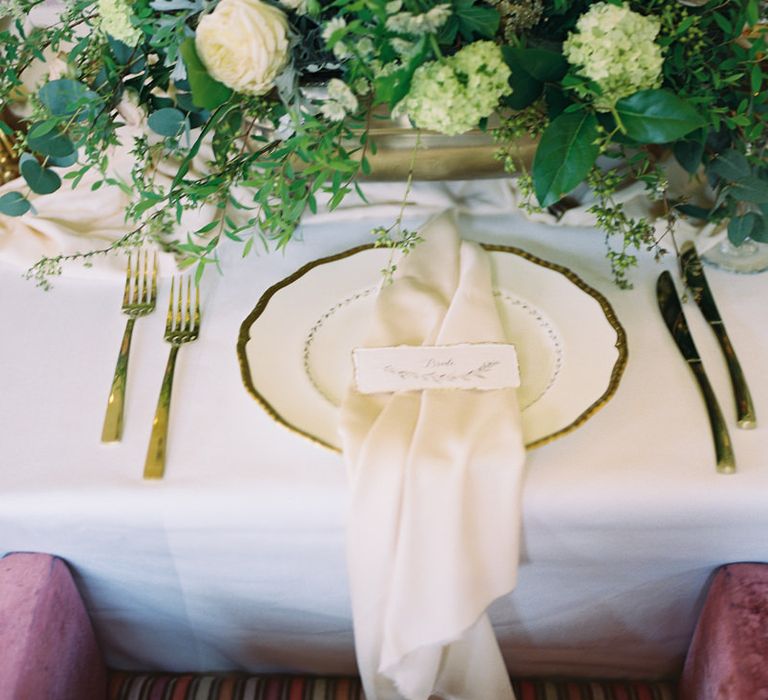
column 236, row 559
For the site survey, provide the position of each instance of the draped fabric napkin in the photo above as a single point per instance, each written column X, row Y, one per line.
column 435, row 476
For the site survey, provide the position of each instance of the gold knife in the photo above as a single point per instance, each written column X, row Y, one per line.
column 669, row 303
column 693, row 274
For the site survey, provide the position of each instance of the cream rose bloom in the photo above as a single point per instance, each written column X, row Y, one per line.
column 244, row 44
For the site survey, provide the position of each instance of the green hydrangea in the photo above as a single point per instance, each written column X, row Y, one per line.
column 116, row 21
column 615, row 47
column 452, row 95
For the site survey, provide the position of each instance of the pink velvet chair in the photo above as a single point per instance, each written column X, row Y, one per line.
column 728, row 656
column 48, row 650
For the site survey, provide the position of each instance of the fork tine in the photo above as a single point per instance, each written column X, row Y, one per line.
column 179, row 307
column 188, row 306
column 136, row 281
column 153, row 293
column 127, row 292
column 197, row 308
column 169, row 319
column 145, row 280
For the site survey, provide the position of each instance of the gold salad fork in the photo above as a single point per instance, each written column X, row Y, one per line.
column 138, row 300
column 182, row 326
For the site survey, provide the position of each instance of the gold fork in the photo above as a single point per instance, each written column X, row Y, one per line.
column 138, row 300
column 182, row 326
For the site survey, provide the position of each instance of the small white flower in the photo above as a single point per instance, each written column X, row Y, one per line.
column 339, row 91
column 437, row 17
column 426, row 23
column 300, row 7
column 340, row 100
column 332, row 26
column 365, row 47
column 362, row 86
column 399, row 22
column 403, row 47
column 333, row 111
column 393, row 6
column 341, row 50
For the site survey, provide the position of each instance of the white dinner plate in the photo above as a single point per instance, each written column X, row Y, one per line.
column 295, row 348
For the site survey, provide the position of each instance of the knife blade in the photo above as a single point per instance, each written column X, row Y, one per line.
column 672, row 312
column 693, row 274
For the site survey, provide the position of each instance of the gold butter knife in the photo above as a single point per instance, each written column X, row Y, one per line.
column 693, row 274
column 672, row 311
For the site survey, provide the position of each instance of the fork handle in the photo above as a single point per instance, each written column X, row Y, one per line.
column 154, row 466
column 112, row 430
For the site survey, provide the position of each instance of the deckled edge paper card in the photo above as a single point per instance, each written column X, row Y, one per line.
column 479, row 366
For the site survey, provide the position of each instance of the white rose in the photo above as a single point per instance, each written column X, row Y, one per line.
column 244, row 44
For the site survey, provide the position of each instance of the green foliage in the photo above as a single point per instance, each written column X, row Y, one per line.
column 206, row 92
column 64, row 98
column 40, row 180
column 742, row 227
column 470, row 20
column 167, row 121
column 657, row 116
column 278, row 155
column 14, row 204
column 567, row 152
column 531, row 70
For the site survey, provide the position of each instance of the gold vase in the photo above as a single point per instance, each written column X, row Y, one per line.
column 434, row 156
column 9, row 166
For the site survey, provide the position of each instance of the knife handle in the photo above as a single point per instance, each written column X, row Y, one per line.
column 745, row 410
column 726, row 462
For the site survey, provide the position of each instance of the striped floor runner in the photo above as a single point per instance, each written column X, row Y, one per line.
column 135, row 686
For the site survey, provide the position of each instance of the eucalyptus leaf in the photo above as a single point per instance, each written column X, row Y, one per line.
column 64, row 97
column 565, row 155
column 730, row 165
column 760, row 231
column 42, row 128
column 206, row 92
column 749, row 189
column 14, row 204
column 40, row 180
column 51, row 143
column 168, row 121
column 63, row 161
column 741, row 227
column 657, row 116
column 693, row 211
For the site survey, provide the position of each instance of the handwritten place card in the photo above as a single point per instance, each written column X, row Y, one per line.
column 481, row 366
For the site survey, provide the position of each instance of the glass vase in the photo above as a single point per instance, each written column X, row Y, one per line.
column 748, row 258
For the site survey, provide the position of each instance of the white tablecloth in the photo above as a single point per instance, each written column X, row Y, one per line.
column 236, row 559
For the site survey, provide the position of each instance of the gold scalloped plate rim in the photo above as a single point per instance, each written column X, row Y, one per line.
column 610, row 315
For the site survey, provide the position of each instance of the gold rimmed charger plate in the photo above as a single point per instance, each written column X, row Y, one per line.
column 295, row 346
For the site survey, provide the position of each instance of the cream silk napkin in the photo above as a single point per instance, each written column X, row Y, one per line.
column 435, row 476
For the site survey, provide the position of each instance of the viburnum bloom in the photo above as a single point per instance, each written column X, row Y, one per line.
column 616, row 48
column 244, row 44
column 115, row 20
column 452, row 95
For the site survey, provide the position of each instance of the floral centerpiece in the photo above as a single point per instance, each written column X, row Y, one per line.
column 230, row 78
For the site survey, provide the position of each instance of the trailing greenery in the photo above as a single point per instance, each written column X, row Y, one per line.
column 260, row 147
